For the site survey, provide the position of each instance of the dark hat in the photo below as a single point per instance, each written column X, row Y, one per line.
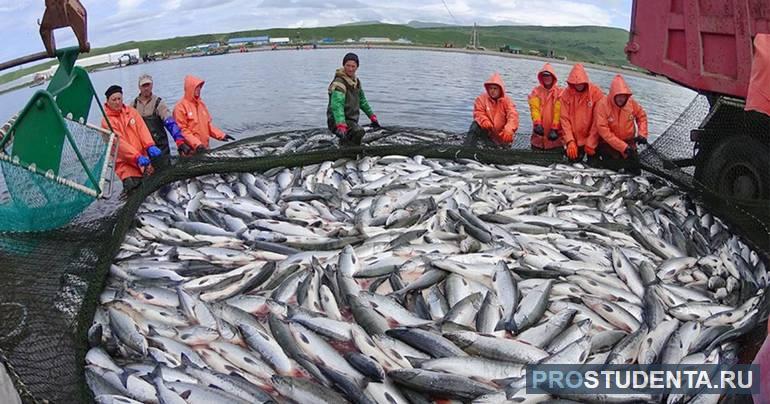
column 112, row 90
column 351, row 56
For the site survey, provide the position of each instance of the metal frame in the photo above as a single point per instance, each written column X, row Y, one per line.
column 112, row 150
column 110, row 156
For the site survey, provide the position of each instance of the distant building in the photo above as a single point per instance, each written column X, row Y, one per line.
column 279, row 40
column 350, row 40
column 327, row 40
column 256, row 40
column 202, row 47
column 109, row 58
column 374, row 39
column 403, row 41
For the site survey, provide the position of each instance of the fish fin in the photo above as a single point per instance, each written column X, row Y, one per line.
column 187, row 362
column 157, row 372
column 125, row 375
column 505, row 382
column 416, row 362
column 502, row 325
column 152, row 331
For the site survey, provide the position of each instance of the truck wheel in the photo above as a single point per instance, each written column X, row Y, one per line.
column 737, row 168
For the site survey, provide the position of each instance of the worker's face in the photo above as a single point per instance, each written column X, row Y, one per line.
column 350, row 68
column 115, row 101
column 494, row 91
column 145, row 90
column 197, row 91
column 547, row 80
column 580, row 87
column 621, row 100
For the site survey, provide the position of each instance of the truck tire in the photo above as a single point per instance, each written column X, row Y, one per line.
column 737, row 167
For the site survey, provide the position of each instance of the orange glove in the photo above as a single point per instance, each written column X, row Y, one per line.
column 589, row 150
column 572, row 150
column 506, row 138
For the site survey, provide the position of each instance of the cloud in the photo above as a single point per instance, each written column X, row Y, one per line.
column 11, row 6
column 117, row 21
column 313, row 4
column 129, row 4
column 194, row 5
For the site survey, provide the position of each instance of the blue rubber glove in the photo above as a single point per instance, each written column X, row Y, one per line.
column 154, row 151
column 173, row 129
column 143, row 161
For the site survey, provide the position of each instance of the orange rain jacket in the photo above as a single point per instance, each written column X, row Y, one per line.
column 545, row 108
column 758, row 98
column 498, row 117
column 134, row 138
column 577, row 109
column 192, row 116
column 617, row 126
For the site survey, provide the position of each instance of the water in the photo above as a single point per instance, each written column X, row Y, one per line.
column 263, row 92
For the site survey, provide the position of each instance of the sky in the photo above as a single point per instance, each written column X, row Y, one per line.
column 115, row 21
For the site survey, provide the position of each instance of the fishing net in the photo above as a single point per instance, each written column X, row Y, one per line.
column 52, row 280
column 36, row 201
column 733, row 175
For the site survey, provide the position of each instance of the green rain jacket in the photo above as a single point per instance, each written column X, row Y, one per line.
column 346, row 100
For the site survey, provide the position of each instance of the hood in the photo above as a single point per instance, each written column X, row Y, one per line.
column 496, row 79
column 190, row 83
column 578, row 75
column 341, row 74
column 547, row 68
column 618, row 87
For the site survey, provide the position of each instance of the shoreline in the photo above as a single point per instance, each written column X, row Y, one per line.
column 422, row 48
column 470, row 52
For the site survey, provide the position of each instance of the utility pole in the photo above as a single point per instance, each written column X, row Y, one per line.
column 474, row 38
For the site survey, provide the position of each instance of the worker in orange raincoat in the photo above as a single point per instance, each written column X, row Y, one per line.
column 758, row 98
column 578, row 102
column 621, row 124
column 495, row 119
column 193, row 117
column 545, row 108
column 136, row 148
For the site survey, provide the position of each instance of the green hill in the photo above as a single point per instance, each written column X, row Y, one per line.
column 600, row 45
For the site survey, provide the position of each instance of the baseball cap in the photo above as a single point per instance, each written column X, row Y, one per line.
column 144, row 79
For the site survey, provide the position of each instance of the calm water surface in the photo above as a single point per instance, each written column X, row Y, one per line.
column 263, row 92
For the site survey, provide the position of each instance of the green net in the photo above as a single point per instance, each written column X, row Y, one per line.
column 35, row 201
column 52, row 280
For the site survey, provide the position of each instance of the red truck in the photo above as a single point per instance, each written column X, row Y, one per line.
column 707, row 45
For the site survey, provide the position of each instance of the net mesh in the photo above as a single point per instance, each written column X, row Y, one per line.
column 51, row 280
column 34, row 201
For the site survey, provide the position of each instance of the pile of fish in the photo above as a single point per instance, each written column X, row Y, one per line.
column 408, row 280
column 321, row 139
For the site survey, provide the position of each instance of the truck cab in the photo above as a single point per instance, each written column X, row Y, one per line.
column 708, row 46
